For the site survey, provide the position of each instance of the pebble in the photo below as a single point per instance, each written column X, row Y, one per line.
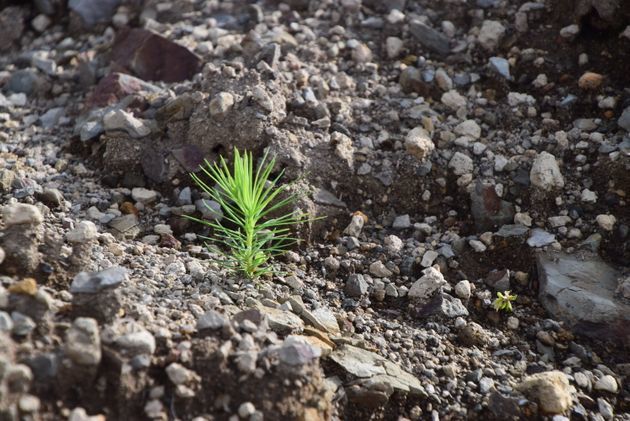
column 463, row 289
column 490, row 34
column 607, row 383
column 419, row 144
column 606, row 222
column 545, row 172
column 122, row 120
column 144, row 196
column 461, row 164
column 21, row 214
column 84, row 231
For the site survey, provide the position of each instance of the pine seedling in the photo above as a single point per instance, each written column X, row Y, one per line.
column 248, row 198
column 503, row 302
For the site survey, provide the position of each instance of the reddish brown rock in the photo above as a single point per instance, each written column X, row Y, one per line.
column 115, row 86
column 152, row 57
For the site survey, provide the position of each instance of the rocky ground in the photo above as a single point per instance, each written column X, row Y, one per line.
column 453, row 150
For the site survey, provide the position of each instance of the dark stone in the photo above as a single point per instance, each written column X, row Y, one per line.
column 499, row 280
column 150, row 56
column 488, row 209
column 114, row 87
column 580, row 289
column 429, row 37
column 190, row 157
column 507, row 408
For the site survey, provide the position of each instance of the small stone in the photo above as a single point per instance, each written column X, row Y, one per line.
column 178, row 374
column 221, row 104
column 461, row 164
column 393, row 46
column 84, row 231
column 590, row 81
column 21, row 214
column 122, row 120
column 92, row 283
column 356, row 286
column 246, row 410
column 545, row 172
column 605, row 409
column 490, row 34
column 418, row 143
column 624, row 119
column 468, row 128
column 606, row 222
column 463, row 290
column 550, row 389
column 443, row 80
column 29, row 404
column 500, row 66
column 540, row 238
column 379, row 270
column 428, row 258
column 26, row 286
column 453, row 100
column 52, row 198
column 361, row 54
column 83, row 342
column 145, row 196
column 570, row 32
column 512, row 323
column 588, row 196
column 402, row 222
column 477, row 246
column 607, row 384
column 473, row 335
column 426, row 286
column 429, row 37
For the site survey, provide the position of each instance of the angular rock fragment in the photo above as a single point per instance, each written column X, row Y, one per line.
column 150, row 56
column 581, row 291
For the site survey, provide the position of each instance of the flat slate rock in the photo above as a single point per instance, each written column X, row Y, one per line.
column 580, row 289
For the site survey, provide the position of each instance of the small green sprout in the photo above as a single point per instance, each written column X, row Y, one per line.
column 248, row 197
column 504, row 301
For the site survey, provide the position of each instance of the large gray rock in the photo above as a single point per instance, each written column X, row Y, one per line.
column 580, row 289
column 361, row 364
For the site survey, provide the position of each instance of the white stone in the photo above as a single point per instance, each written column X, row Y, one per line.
column 122, row 120
column 83, row 232
column 490, row 34
column 606, row 222
column 379, row 270
column 221, row 104
column 21, row 213
column 142, row 195
column 428, row 258
column 477, row 245
column 461, row 164
column 394, row 46
column 545, row 172
column 463, row 290
column 468, row 128
column 418, row 143
column 453, row 100
column 607, row 383
column 588, row 196
column 428, row 284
